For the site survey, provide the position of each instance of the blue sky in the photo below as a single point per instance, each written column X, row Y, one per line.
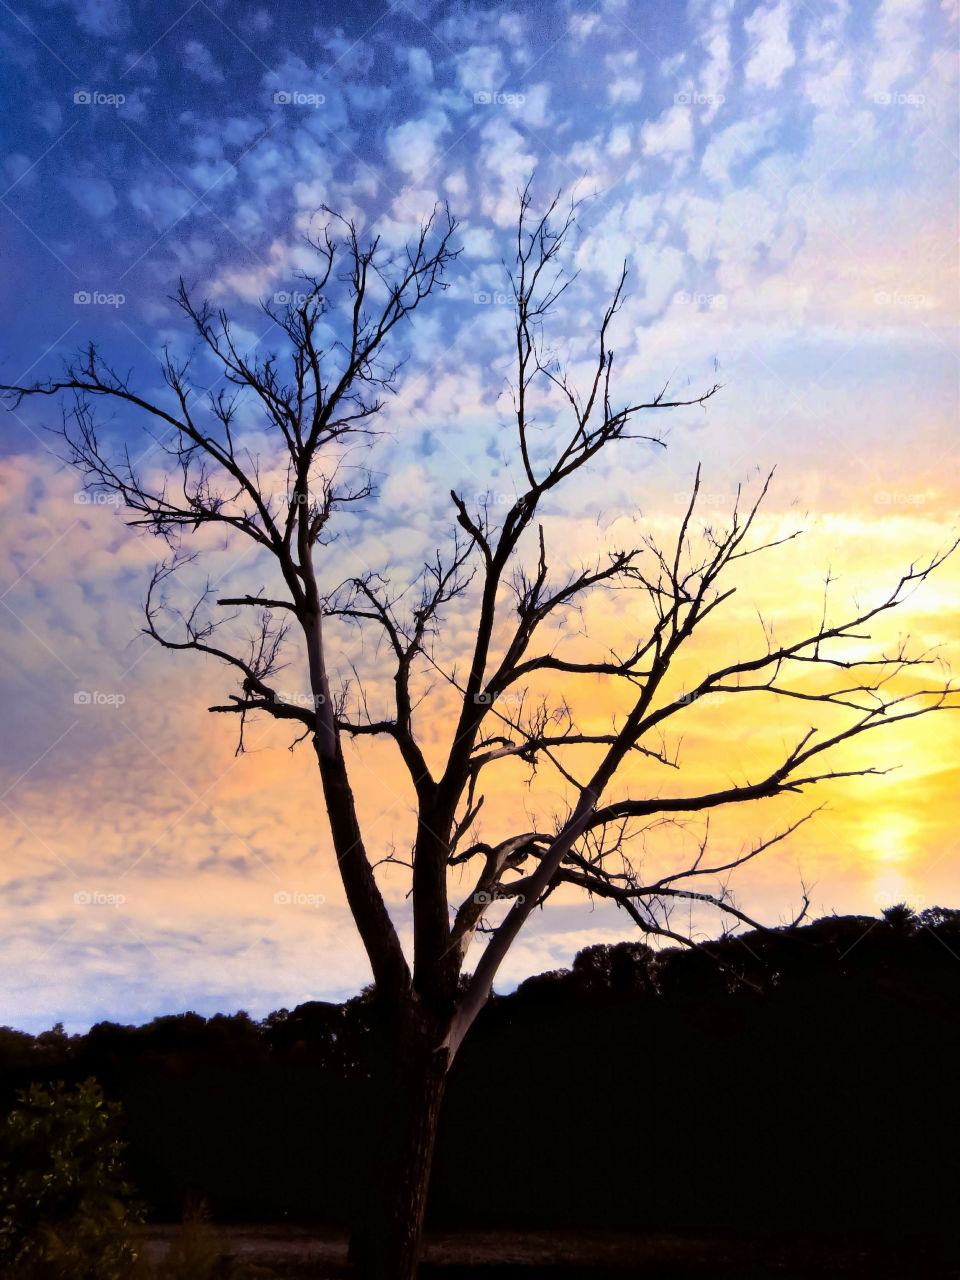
column 200, row 170
column 781, row 180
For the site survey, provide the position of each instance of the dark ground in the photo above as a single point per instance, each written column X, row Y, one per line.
column 582, row 1255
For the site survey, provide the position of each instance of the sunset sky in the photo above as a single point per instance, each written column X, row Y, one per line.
column 781, row 180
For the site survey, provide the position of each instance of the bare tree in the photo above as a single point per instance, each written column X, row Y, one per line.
column 313, row 400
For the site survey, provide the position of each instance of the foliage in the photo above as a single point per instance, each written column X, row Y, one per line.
column 67, row 1211
column 901, row 917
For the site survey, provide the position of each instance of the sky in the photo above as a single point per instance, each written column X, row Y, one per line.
column 781, row 182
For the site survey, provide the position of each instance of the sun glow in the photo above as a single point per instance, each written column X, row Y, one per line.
column 891, row 838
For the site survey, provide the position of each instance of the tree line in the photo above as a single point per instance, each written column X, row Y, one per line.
column 786, row 1079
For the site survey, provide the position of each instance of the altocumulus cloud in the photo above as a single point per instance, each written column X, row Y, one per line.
column 760, row 171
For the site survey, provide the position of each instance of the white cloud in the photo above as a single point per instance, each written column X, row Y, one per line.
column 239, row 131
column 672, row 134
column 256, row 23
column 715, row 72
column 625, row 82
column 827, row 69
column 737, row 143
column 455, row 185
column 768, row 30
column 512, row 27
column 626, row 89
column 478, row 242
column 412, row 147
column 480, row 69
column 897, row 28
column 583, row 26
column 198, row 59
column 533, row 109
column 257, row 281
column 95, row 195
column 605, row 250
column 101, row 17
column 619, row 144
column 699, row 220
column 505, row 158
column 421, row 67
column 829, row 88
column 662, row 272
column 587, row 157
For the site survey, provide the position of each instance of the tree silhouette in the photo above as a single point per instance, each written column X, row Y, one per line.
column 321, row 396
column 901, row 917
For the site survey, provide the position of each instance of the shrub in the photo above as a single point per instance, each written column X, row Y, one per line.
column 66, row 1209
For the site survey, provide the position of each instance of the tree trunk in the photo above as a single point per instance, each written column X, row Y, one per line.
column 387, row 1239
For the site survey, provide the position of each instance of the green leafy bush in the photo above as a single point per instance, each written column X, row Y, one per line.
column 66, row 1209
